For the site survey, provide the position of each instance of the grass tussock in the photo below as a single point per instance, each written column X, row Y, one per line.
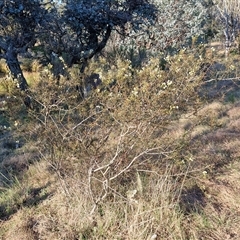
column 153, row 209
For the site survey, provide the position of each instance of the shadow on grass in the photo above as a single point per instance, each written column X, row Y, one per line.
column 192, row 200
column 226, row 90
column 33, row 197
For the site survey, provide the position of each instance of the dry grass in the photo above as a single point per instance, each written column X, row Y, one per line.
column 154, row 212
column 32, row 78
column 152, row 161
column 3, row 67
column 220, row 218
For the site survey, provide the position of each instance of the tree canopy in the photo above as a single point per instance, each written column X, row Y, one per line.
column 18, row 23
column 177, row 25
column 82, row 28
column 228, row 15
column 79, row 29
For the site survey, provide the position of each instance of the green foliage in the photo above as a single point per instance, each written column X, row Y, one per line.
column 177, row 23
column 21, row 16
column 7, row 86
column 10, row 200
column 84, row 28
column 3, row 67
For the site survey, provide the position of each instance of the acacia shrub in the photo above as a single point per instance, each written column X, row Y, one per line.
column 120, row 127
column 111, row 152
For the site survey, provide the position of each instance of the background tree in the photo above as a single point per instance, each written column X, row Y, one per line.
column 78, row 30
column 18, row 23
column 228, row 12
column 178, row 24
column 75, row 30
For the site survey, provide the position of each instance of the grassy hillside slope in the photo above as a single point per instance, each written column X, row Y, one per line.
column 152, row 153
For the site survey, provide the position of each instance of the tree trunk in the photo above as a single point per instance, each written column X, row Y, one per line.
column 15, row 69
column 227, row 41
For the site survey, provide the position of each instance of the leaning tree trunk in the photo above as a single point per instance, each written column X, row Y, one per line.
column 17, row 74
column 15, row 69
